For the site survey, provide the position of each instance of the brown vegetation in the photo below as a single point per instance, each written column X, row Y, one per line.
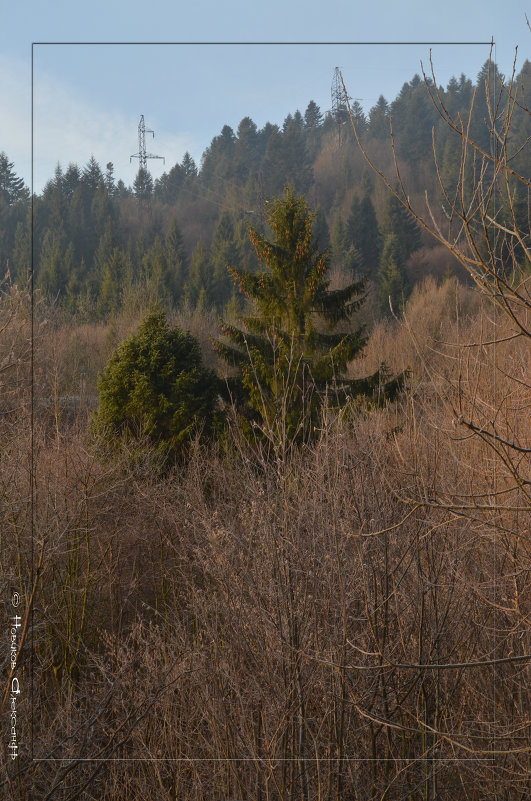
column 351, row 623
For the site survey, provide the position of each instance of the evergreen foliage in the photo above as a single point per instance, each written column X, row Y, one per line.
column 156, row 387
column 289, row 353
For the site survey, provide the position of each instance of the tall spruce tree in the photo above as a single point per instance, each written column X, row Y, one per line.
column 288, row 352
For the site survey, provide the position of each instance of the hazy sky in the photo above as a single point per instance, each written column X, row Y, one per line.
column 88, row 98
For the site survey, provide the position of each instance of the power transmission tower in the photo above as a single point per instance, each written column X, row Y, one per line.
column 339, row 106
column 142, row 156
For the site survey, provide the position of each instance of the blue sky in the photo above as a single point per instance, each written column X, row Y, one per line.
column 88, row 98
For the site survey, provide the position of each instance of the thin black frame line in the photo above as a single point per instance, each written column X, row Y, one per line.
column 490, row 43
column 32, row 426
column 282, row 44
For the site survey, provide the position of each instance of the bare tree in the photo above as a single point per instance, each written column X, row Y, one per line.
column 485, row 224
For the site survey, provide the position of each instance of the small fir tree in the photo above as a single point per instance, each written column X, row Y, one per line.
column 289, row 354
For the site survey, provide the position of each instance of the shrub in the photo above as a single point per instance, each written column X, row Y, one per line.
column 156, row 388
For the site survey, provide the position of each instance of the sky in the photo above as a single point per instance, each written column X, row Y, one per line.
column 91, row 84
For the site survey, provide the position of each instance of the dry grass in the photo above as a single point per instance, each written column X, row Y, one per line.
column 323, row 627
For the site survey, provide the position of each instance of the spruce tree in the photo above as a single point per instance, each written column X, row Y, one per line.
column 288, row 353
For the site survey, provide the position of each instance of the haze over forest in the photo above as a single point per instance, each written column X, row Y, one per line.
column 84, row 219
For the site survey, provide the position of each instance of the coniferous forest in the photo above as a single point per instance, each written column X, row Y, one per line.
column 265, row 489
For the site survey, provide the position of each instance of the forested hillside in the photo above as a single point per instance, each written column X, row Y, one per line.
column 96, row 240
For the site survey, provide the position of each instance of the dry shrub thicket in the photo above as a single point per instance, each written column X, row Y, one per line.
column 348, row 622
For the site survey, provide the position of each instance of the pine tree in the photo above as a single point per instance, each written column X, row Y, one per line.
column 287, row 361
